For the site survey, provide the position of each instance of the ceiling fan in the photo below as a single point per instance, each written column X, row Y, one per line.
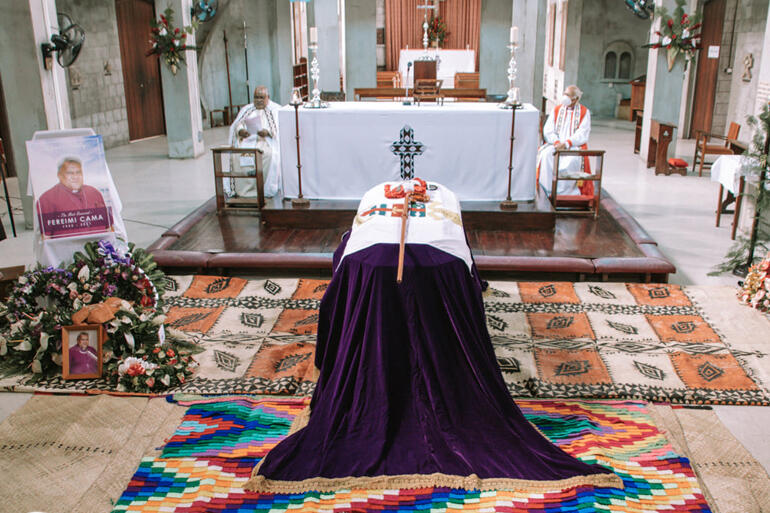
column 204, row 10
column 641, row 8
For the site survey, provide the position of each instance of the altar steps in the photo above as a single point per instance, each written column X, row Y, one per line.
column 477, row 215
column 611, row 247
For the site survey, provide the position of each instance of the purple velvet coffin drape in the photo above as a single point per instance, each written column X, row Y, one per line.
column 409, row 393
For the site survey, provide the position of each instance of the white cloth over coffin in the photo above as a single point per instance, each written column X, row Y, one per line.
column 437, row 223
column 569, row 130
column 255, row 120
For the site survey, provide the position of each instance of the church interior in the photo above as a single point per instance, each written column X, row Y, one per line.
column 385, row 255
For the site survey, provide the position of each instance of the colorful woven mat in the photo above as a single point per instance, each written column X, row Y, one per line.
column 617, row 434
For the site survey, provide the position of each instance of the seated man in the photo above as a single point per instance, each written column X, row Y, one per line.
column 256, row 126
column 567, row 128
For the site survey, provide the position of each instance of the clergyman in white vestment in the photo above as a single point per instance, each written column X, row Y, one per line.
column 256, row 126
column 567, row 128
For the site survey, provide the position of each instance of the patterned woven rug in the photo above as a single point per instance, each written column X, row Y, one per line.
column 212, row 453
column 553, row 340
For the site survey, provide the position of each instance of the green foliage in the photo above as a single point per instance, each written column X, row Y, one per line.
column 756, row 160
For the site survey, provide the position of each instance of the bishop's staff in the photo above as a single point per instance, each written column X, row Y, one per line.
column 402, row 243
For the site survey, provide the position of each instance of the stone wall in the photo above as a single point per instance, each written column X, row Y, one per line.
column 735, row 95
column 95, row 80
column 605, row 22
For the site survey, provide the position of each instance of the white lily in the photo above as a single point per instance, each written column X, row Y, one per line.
column 84, row 274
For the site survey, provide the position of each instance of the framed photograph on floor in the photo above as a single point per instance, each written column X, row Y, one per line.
column 82, row 351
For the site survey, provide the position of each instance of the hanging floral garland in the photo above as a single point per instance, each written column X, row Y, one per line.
column 169, row 42
column 678, row 33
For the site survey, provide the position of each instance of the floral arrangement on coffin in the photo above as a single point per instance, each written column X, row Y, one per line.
column 678, row 33
column 168, row 42
column 756, row 286
column 437, row 31
column 123, row 291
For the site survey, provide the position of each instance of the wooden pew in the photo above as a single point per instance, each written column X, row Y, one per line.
column 400, row 92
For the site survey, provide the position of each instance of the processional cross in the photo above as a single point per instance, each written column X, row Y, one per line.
column 425, row 7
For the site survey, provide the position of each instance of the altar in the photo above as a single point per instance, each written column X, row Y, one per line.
column 350, row 146
column 449, row 63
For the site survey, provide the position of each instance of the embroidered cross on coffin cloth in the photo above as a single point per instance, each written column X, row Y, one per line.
column 407, row 148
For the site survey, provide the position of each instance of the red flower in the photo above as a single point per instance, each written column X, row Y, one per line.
column 146, row 301
column 150, row 382
column 176, row 30
column 156, row 350
column 170, row 352
column 135, row 370
column 172, row 361
column 670, row 23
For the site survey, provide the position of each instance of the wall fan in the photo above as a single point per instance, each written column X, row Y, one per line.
column 67, row 43
column 204, row 10
column 642, row 8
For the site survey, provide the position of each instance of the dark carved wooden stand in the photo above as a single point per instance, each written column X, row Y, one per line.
column 661, row 135
column 299, row 201
column 507, row 204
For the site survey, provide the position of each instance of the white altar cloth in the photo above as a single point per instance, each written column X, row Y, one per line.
column 346, row 148
column 450, row 62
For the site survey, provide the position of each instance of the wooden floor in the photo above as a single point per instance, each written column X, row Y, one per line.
column 572, row 237
column 612, row 247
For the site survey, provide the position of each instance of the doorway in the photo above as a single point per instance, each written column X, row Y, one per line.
column 708, row 66
column 141, row 74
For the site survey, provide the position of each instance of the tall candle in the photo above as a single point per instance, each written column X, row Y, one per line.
column 313, row 35
column 514, row 35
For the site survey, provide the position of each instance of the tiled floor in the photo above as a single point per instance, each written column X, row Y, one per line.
column 677, row 211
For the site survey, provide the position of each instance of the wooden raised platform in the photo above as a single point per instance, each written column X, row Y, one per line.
column 477, row 215
column 612, row 247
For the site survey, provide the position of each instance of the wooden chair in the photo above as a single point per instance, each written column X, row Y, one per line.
column 388, row 79
column 581, row 204
column 466, row 80
column 703, row 148
column 428, row 89
column 333, row 96
column 225, row 204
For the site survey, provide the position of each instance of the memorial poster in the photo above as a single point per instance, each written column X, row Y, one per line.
column 70, row 183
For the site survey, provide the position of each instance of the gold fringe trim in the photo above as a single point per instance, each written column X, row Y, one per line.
column 261, row 484
column 300, row 421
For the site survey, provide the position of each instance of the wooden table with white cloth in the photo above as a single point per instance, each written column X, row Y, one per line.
column 350, row 146
column 449, row 63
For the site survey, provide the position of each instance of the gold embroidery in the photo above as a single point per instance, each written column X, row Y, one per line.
column 261, row 484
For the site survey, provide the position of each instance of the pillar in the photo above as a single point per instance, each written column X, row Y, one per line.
column 494, row 55
column 360, row 45
column 529, row 16
column 181, row 97
column 663, row 99
column 326, row 20
column 33, row 98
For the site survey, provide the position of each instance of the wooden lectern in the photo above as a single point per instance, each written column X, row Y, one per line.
column 424, row 69
column 657, row 153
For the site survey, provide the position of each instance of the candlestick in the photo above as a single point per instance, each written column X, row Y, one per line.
column 512, row 101
column 514, row 35
column 315, row 72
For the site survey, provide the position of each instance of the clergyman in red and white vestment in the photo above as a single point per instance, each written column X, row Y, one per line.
column 567, row 128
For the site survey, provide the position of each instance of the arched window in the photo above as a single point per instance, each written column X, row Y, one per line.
column 624, row 70
column 618, row 62
column 610, row 65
